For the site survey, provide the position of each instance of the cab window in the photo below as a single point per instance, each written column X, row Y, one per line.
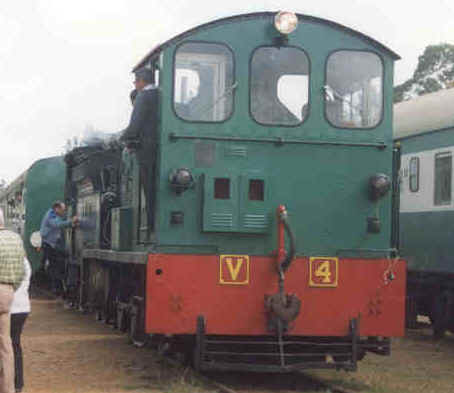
column 279, row 86
column 354, row 89
column 203, row 82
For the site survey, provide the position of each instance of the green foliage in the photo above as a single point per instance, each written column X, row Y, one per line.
column 431, row 85
column 435, row 71
column 401, row 89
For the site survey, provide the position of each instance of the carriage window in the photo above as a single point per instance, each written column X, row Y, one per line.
column 279, row 86
column 443, row 179
column 203, row 82
column 414, row 174
column 354, row 89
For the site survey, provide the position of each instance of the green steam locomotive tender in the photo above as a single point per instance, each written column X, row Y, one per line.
column 252, row 223
column 27, row 199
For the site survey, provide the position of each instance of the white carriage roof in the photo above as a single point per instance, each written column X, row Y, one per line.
column 429, row 112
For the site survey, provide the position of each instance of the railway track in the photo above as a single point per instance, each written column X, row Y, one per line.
column 235, row 382
column 299, row 381
column 311, row 384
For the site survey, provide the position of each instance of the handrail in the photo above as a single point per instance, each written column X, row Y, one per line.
column 278, row 140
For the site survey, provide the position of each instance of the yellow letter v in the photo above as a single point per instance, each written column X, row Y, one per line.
column 234, row 270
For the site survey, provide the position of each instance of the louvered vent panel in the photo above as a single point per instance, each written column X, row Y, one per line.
column 222, row 220
column 255, row 221
column 236, row 151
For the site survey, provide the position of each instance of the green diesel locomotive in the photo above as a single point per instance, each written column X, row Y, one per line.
column 252, row 222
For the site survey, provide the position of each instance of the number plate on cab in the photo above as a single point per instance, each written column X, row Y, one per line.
column 323, row 271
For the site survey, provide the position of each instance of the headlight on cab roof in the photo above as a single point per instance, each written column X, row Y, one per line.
column 285, row 22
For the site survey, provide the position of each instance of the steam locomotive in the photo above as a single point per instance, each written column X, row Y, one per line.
column 255, row 227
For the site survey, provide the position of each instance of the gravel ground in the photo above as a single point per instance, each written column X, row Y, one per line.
column 67, row 352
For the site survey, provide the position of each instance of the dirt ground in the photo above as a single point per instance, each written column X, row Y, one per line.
column 67, row 352
column 417, row 364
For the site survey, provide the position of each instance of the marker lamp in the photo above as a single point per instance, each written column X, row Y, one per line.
column 285, row 22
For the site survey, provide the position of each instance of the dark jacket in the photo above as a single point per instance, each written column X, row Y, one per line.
column 141, row 124
column 141, row 136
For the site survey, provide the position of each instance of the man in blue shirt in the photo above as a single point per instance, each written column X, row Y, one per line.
column 53, row 243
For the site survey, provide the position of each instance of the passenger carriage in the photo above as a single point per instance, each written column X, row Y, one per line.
column 424, row 132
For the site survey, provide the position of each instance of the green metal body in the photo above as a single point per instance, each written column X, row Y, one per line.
column 429, row 249
column 121, row 229
column 44, row 185
column 318, row 171
column 427, row 141
column 40, row 186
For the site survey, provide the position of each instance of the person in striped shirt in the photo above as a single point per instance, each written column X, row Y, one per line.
column 11, row 275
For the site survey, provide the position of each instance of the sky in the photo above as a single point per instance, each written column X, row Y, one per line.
column 65, row 65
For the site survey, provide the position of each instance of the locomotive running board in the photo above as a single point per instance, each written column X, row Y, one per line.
column 262, row 353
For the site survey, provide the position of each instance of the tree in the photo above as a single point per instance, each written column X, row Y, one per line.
column 435, row 71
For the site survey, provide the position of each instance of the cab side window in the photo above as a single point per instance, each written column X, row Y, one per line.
column 203, row 82
column 354, row 89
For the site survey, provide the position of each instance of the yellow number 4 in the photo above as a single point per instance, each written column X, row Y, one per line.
column 323, row 270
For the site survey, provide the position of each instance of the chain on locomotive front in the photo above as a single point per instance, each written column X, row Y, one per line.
column 253, row 221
